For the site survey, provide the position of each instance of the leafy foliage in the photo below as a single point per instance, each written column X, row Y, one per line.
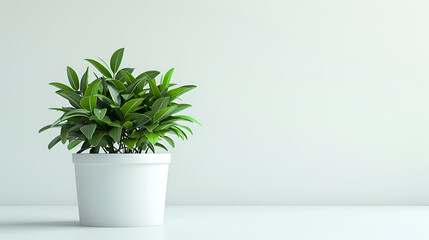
column 118, row 112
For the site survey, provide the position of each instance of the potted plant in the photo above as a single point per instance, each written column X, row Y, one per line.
column 128, row 117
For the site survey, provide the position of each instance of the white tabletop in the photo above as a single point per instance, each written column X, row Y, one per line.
column 226, row 222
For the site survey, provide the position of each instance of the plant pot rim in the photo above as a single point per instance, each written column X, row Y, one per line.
column 130, row 158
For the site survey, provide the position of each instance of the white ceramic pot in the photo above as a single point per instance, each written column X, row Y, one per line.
column 121, row 190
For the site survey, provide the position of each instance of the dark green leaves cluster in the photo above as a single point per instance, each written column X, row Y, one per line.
column 120, row 112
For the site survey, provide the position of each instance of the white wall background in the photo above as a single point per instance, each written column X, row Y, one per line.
column 303, row 102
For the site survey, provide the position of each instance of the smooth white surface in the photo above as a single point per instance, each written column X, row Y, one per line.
column 130, row 193
column 102, row 158
column 228, row 223
column 301, row 101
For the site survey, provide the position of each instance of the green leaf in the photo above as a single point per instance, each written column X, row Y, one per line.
column 138, row 84
column 163, row 113
column 72, row 76
column 166, row 79
column 187, row 128
column 161, row 146
column 100, row 67
column 86, row 145
column 119, row 85
column 92, row 88
column 144, row 118
column 126, row 96
column 61, row 86
column 48, row 127
column 176, row 129
column 64, row 133
column 94, row 149
column 177, row 132
column 54, row 141
column 128, row 77
column 131, row 105
column 74, row 143
column 116, row 133
column 45, row 128
column 154, row 89
column 74, row 113
column 130, row 143
column 88, row 102
column 114, row 93
column 169, row 140
column 116, row 59
column 149, row 74
column 88, row 130
column 110, row 123
column 186, row 118
column 160, row 103
column 175, row 93
column 152, row 148
column 152, row 137
column 100, row 112
column 131, row 116
column 180, row 107
column 84, row 81
column 96, row 138
column 127, row 125
column 107, row 100
column 119, row 76
column 64, row 109
column 73, row 98
column 137, row 134
column 151, row 127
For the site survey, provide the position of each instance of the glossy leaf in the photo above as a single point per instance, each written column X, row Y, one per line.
column 130, row 143
column 154, row 89
column 114, row 93
column 160, row 103
column 127, row 125
column 89, row 103
column 84, row 81
column 74, row 143
column 130, row 105
column 96, row 138
column 186, row 118
column 161, row 146
column 169, row 140
column 187, row 128
column 88, row 130
column 144, row 118
column 127, row 77
column 72, row 76
column 119, row 85
column 73, row 98
column 116, row 59
column 61, row 86
column 116, row 133
column 54, row 141
column 100, row 67
column 152, row 137
column 163, row 113
column 119, row 76
column 175, row 93
column 151, row 127
column 148, row 75
column 64, row 134
column 92, row 89
column 166, row 79
column 100, row 113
